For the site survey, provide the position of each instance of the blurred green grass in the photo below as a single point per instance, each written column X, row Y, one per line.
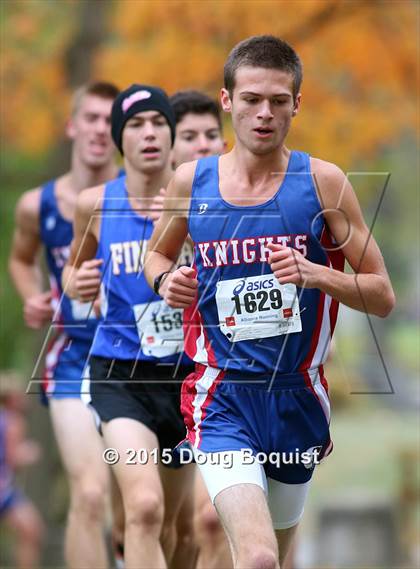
column 368, row 442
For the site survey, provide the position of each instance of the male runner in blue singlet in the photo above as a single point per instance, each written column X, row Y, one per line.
column 198, row 127
column 137, row 360
column 199, row 134
column 262, row 299
column 44, row 218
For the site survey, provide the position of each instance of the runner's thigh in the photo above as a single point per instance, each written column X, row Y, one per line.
column 244, row 513
column 78, row 439
column 138, row 447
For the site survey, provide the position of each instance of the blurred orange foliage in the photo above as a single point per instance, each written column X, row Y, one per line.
column 360, row 63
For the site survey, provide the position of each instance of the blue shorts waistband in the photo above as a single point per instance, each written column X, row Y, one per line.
column 268, row 380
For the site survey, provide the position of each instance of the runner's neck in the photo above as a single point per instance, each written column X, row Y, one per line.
column 140, row 185
column 251, row 169
column 81, row 177
column 239, row 185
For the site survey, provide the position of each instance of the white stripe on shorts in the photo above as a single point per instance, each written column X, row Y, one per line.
column 202, row 387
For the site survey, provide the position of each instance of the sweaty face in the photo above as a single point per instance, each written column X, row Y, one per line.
column 90, row 130
column 262, row 108
column 197, row 136
column 146, row 141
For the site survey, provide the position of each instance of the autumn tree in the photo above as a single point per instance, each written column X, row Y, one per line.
column 359, row 90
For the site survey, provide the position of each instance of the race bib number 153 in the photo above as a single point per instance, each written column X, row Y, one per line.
column 160, row 328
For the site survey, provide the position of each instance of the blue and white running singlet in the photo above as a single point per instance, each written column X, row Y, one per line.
column 137, row 324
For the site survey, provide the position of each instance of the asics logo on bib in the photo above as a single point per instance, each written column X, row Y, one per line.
column 239, row 288
column 253, row 286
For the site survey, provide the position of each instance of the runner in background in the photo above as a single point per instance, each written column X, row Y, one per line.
column 199, row 134
column 17, row 452
column 44, row 220
column 137, row 359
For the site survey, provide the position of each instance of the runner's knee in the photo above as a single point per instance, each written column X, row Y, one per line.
column 258, row 557
column 208, row 521
column 35, row 533
column 145, row 509
column 88, row 500
column 31, row 528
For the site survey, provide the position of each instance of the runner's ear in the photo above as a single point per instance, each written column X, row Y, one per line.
column 225, row 100
column 70, row 130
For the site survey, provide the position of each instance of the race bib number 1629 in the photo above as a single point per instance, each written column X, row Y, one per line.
column 257, row 307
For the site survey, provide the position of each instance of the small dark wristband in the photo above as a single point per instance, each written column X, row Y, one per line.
column 158, row 281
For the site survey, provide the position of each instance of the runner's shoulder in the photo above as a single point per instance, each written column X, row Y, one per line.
column 329, row 179
column 28, row 209
column 183, row 178
column 326, row 171
column 90, row 200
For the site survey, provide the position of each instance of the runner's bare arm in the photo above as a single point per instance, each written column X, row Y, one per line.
column 179, row 287
column 81, row 277
column 24, row 261
column 368, row 289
